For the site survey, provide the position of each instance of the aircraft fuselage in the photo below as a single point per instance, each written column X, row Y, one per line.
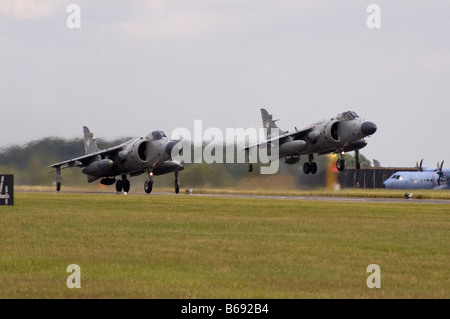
column 416, row 180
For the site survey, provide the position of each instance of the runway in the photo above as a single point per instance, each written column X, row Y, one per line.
column 331, row 199
column 273, row 197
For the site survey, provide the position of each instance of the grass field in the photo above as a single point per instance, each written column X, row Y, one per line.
column 181, row 246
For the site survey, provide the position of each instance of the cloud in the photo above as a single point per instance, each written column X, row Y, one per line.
column 175, row 24
column 173, row 18
column 28, row 9
column 156, row 18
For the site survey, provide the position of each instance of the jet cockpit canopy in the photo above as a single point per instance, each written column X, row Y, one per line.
column 347, row 116
column 156, row 135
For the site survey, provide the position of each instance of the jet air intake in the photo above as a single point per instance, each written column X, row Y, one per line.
column 138, row 151
column 333, row 131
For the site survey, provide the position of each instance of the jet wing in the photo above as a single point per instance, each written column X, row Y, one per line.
column 296, row 135
column 299, row 134
column 85, row 159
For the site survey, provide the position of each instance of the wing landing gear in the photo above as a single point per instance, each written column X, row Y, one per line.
column 177, row 183
column 250, row 165
column 58, row 178
column 357, row 162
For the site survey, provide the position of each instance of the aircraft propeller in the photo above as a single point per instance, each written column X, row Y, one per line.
column 439, row 172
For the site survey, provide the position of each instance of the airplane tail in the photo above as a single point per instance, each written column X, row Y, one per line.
column 268, row 124
column 90, row 146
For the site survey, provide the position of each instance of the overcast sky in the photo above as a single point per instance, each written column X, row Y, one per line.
column 135, row 66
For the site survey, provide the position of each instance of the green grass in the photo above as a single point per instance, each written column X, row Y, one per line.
column 180, row 246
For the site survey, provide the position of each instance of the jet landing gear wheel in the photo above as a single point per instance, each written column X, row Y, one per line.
column 306, row 168
column 250, row 167
column 119, row 186
column 310, row 168
column 123, row 185
column 126, row 186
column 313, row 168
column 340, row 165
column 148, row 186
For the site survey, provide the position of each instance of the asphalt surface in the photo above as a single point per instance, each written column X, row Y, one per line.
column 334, row 199
column 275, row 197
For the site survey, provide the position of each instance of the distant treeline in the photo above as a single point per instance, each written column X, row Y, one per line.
column 29, row 164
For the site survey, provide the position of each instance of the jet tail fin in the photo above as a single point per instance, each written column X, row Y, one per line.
column 90, row 146
column 268, row 124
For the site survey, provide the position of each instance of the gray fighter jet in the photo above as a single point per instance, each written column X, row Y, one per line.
column 150, row 154
column 343, row 133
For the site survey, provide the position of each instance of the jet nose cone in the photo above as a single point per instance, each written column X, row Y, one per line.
column 368, row 128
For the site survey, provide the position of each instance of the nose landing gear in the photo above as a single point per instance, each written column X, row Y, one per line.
column 340, row 164
column 148, row 186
